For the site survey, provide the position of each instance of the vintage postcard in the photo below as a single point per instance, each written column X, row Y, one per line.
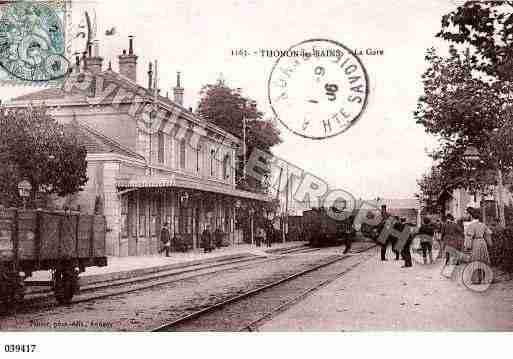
column 255, row 166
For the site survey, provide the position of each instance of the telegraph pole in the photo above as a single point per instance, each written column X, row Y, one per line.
column 244, row 148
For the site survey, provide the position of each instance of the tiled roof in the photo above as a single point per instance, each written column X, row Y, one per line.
column 95, row 142
column 122, row 81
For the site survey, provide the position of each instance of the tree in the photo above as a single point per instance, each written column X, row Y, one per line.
column 226, row 108
column 464, row 111
column 33, row 146
column 430, row 186
column 488, row 28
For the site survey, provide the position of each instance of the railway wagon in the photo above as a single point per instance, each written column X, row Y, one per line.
column 323, row 230
column 61, row 241
column 295, row 228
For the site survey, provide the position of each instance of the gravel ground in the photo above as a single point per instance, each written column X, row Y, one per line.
column 144, row 310
column 384, row 296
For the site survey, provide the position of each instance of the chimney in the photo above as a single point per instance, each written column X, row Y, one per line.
column 178, row 90
column 150, row 75
column 95, row 61
column 128, row 63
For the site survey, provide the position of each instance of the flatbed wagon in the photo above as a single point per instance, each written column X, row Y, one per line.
column 64, row 242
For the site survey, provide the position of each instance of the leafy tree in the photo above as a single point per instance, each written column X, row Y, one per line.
column 430, row 186
column 33, row 146
column 488, row 28
column 465, row 111
column 226, row 108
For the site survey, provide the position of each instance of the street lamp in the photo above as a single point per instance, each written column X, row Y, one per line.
column 251, row 212
column 24, row 188
column 184, row 198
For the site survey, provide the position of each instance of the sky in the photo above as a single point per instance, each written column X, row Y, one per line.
column 381, row 156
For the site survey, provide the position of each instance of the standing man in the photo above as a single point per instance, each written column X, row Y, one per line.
column 206, row 239
column 348, row 233
column 165, row 238
column 426, row 240
column 391, row 239
column 405, row 253
column 260, row 233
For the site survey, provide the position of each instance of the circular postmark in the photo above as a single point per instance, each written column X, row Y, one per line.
column 318, row 88
column 32, row 42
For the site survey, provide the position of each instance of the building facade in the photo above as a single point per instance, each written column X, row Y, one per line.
column 150, row 160
column 460, row 199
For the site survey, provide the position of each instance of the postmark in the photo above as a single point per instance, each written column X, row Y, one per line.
column 32, row 41
column 320, row 90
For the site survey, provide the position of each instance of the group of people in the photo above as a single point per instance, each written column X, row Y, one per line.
column 263, row 236
column 209, row 240
column 456, row 244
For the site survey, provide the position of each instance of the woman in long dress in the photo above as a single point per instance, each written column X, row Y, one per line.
column 477, row 237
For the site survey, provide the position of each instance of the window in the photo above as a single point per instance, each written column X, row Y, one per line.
column 154, row 209
column 160, row 144
column 170, row 152
column 124, row 216
column 176, row 224
column 182, row 154
column 142, row 144
column 198, row 149
column 212, row 162
column 132, row 213
column 142, row 218
column 185, row 220
column 226, row 167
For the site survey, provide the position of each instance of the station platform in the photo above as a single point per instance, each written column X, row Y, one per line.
column 120, row 268
column 382, row 296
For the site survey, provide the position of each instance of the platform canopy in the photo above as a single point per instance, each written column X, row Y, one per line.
column 187, row 183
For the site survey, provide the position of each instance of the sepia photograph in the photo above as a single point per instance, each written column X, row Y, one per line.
column 340, row 168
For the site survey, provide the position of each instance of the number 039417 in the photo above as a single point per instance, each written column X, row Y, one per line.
column 20, row 348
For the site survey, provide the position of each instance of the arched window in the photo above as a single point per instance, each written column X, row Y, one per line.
column 226, row 167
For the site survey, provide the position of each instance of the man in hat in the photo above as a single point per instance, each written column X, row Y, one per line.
column 165, row 238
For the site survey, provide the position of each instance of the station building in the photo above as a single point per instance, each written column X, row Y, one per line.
column 150, row 160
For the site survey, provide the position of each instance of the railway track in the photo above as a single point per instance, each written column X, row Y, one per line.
column 245, row 312
column 104, row 290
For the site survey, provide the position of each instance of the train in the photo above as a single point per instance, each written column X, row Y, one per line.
column 321, row 229
column 63, row 242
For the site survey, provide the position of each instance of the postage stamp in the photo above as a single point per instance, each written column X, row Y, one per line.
column 318, row 88
column 32, row 42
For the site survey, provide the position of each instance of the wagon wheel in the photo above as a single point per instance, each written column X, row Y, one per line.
column 12, row 290
column 65, row 285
